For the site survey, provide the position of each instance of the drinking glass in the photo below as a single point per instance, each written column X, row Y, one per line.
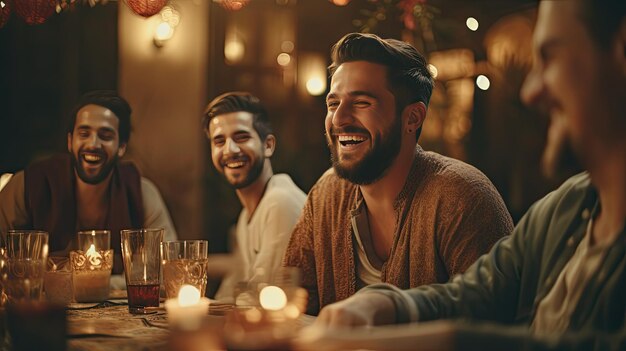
column 142, row 267
column 184, row 262
column 26, row 257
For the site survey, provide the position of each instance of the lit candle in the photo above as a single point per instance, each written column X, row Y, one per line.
column 95, row 259
column 265, row 328
column 187, row 311
column 91, row 274
column 273, row 298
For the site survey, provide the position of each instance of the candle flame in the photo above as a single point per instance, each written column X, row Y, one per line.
column 273, row 298
column 188, row 295
column 94, row 257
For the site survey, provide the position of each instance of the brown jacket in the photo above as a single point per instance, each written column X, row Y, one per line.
column 454, row 215
column 51, row 202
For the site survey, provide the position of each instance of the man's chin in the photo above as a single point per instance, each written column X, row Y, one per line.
column 359, row 173
column 94, row 178
column 559, row 161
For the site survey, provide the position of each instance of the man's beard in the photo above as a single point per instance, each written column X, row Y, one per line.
column 251, row 177
column 559, row 158
column 375, row 162
column 106, row 169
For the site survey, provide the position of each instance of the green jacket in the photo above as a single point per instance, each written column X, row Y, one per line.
column 506, row 285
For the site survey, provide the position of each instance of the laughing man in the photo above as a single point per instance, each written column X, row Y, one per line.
column 242, row 143
column 89, row 187
column 388, row 211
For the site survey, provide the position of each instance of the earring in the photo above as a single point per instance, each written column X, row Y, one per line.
column 410, row 131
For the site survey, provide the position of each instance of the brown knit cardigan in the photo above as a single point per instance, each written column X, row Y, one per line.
column 455, row 215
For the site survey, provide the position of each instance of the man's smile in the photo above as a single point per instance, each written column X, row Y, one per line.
column 235, row 163
column 92, row 157
column 347, row 140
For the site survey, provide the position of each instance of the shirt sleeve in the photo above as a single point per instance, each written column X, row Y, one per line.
column 12, row 204
column 279, row 219
column 405, row 308
column 155, row 211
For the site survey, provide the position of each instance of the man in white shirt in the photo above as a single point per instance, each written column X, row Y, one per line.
column 242, row 143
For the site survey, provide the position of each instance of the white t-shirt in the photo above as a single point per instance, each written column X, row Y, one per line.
column 261, row 239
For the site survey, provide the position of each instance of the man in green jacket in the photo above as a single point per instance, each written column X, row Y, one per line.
column 559, row 281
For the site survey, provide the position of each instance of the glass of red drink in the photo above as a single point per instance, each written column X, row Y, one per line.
column 142, row 268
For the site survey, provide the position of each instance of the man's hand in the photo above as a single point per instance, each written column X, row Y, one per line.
column 366, row 309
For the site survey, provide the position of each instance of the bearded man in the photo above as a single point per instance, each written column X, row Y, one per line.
column 242, row 143
column 88, row 188
column 557, row 282
column 388, row 211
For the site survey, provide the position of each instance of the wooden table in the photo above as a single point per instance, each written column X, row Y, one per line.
column 111, row 327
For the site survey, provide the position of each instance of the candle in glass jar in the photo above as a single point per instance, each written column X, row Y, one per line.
column 91, row 286
column 91, row 274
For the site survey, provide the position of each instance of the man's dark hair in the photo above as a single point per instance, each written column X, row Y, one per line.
column 409, row 79
column 108, row 99
column 235, row 102
column 602, row 19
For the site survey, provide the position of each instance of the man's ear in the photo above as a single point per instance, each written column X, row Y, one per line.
column 269, row 145
column 414, row 116
column 122, row 150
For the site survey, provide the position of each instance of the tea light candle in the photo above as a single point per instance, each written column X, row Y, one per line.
column 188, row 310
column 91, row 286
column 273, row 298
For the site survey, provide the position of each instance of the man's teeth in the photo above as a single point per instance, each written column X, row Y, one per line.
column 91, row 158
column 235, row 164
column 350, row 139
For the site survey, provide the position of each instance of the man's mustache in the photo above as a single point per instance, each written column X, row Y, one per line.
column 348, row 130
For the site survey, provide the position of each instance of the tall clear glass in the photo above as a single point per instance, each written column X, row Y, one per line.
column 142, row 267
column 184, row 262
column 26, row 256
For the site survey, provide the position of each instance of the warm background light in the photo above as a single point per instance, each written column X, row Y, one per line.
column 272, row 298
column 316, row 86
column 287, row 46
column 163, row 31
column 340, row 2
column 312, row 73
column 472, row 24
column 483, row 82
column 283, row 59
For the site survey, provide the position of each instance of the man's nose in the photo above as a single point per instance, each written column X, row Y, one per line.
column 93, row 140
column 532, row 89
column 342, row 116
column 230, row 147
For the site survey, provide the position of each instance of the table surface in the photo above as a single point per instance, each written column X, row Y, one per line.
column 108, row 326
column 112, row 327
